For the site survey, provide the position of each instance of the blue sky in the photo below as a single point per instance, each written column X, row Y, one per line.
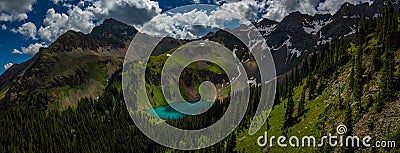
column 10, row 40
column 27, row 25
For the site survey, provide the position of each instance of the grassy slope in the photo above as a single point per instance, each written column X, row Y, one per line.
column 307, row 126
column 88, row 61
column 3, row 92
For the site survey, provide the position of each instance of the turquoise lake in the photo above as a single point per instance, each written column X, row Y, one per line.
column 168, row 113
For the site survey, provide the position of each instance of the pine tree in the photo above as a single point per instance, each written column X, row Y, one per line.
column 348, row 122
column 289, row 109
column 305, row 69
column 231, row 143
column 297, row 76
column 311, row 86
column 340, row 101
column 300, row 108
column 358, row 80
column 277, row 99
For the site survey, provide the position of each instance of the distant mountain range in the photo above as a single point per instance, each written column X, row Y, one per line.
column 299, row 34
column 79, row 65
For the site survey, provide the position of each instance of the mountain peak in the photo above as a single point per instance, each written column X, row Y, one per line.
column 113, row 22
column 72, row 39
column 266, row 23
column 347, row 4
column 294, row 21
column 113, row 27
column 113, row 33
column 295, row 16
column 295, row 13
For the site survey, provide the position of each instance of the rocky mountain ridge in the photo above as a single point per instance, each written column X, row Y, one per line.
column 300, row 34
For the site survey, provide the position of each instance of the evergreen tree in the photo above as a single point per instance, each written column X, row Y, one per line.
column 277, row 99
column 231, row 143
column 305, row 69
column 358, row 80
column 302, row 102
column 348, row 122
column 289, row 109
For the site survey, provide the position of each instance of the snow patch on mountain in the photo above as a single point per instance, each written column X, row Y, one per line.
column 291, row 52
column 316, row 26
column 267, row 30
column 353, row 31
column 295, row 51
column 323, row 42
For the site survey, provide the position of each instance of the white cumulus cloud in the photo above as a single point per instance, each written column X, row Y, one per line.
column 278, row 9
column 176, row 25
column 84, row 19
column 8, row 65
column 32, row 49
column 331, row 6
column 16, row 51
column 184, row 25
column 248, row 9
column 59, row 1
column 134, row 12
column 56, row 24
column 28, row 30
column 15, row 10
